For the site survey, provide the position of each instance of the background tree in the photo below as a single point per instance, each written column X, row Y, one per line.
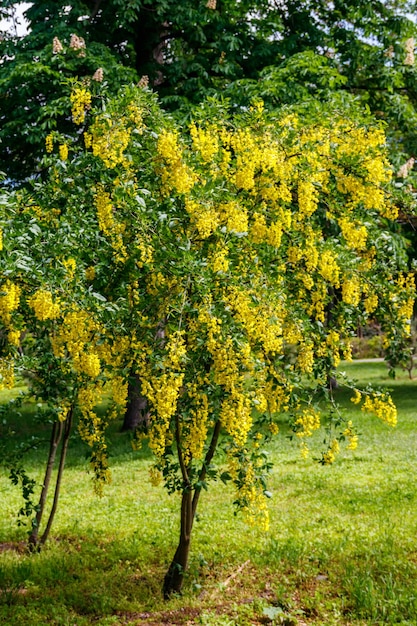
column 280, row 52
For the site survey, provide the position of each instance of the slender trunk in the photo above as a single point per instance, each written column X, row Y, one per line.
column 67, row 432
column 54, row 443
column 175, row 575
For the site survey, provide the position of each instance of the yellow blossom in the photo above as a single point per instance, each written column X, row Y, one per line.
column 63, row 152
column 43, row 305
column 383, row 407
column 80, row 103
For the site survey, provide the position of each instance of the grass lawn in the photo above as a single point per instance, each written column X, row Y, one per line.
column 341, row 550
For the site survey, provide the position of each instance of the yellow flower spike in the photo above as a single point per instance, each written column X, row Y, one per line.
column 49, row 143
column 63, row 152
column 43, row 305
column 80, row 103
column 9, row 300
column 383, row 407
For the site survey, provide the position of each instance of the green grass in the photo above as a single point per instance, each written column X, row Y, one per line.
column 341, row 549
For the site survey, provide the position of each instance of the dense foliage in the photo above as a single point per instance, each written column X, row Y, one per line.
column 282, row 53
column 225, row 265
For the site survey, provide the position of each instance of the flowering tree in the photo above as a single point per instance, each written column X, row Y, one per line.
column 226, row 266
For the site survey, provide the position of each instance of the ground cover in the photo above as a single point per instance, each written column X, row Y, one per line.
column 341, row 549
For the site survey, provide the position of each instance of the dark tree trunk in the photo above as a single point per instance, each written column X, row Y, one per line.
column 136, row 410
column 175, row 575
column 137, row 413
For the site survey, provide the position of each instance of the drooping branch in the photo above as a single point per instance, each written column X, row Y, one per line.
column 207, row 460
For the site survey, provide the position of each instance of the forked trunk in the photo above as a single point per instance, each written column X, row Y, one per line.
column 65, row 441
column 58, row 429
column 174, row 577
column 56, row 434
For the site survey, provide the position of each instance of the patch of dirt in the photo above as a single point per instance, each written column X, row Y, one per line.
column 15, row 546
column 179, row 617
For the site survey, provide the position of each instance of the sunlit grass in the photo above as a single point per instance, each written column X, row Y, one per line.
column 341, row 548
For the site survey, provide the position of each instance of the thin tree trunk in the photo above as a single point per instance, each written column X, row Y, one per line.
column 67, row 432
column 174, row 577
column 54, row 443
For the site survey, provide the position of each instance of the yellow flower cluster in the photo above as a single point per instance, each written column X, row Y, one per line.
column 87, row 363
column 307, row 422
column 7, row 372
column 105, row 210
column 146, row 253
column 195, row 438
column 176, row 350
column 225, row 363
column 351, row 436
column 219, row 261
column 236, row 416
column 9, row 301
column 329, row 456
column 205, row 219
column 234, row 217
column 357, row 397
column 371, row 303
column 252, row 498
column 277, row 395
column 49, row 142
column 205, row 142
column 305, row 358
column 80, row 103
column 162, row 392
column 329, row 268
column 63, row 152
column 109, row 140
column 351, row 291
column 70, row 266
column 406, row 284
column 74, row 337
column 176, row 173
column 354, row 234
column 307, row 198
column 44, row 306
column 261, row 324
column 13, row 337
column 333, row 342
column 89, row 427
column 119, row 390
column 383, row 407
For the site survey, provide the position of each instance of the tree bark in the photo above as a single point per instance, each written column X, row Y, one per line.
column 174, row 577
column 136, row 410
